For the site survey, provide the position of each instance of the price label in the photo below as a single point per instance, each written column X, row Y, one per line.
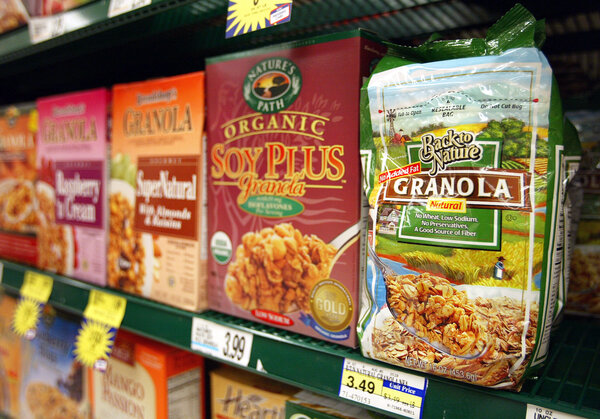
column 245, row 16
column 105, row 308
column 44, row 28
column 538, row 412
column 102, row 318
column 118, row 7
column 37, row 286
column 221, row 342
column 387, row 389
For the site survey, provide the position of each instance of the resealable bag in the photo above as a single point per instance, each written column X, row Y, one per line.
column 461, row 147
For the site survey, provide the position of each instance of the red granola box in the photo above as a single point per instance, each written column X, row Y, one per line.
column 284, row 183
column 18, row 175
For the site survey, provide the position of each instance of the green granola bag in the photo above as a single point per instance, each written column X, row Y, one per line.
column 461, row 148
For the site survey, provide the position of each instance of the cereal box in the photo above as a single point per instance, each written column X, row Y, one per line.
column 584, row 285
column 308, row 405
column 148, row 380
column 283, row 185
column 18, row 175
column 465, row 179
column 156, row 191
column 10, row 359
column 239, row 394
column 53, row 383
column 71, row 191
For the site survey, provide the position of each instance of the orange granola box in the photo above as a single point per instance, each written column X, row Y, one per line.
column 156, row 189
column 147, row 379
column 18, row 177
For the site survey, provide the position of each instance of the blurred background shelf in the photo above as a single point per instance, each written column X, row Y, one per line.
column 171, row 37
column 569, row 383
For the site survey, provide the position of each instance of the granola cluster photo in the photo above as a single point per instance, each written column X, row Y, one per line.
column 277, row 268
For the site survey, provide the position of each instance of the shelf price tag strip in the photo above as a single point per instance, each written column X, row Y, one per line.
column 384, row 388
column 35, row 292
column 539, row 412
column 245, row 16
column 118, row 7
column 221, row 342
column 44, row 28
column 102, row 318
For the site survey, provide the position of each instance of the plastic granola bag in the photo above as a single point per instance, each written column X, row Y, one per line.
column 584, row 266
column 462, row 151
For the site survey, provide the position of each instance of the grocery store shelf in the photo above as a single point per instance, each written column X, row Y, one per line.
column 570, row 383
column 171, row 37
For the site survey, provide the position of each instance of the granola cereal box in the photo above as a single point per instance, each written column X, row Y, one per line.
column 156, row 191
column 464, row 172
column 584, row 284
column 149, row 380
column 239, row 394
column 71, row 191
column 283, row 185
column 53, row 381
column 10, row 359
column 18, row 176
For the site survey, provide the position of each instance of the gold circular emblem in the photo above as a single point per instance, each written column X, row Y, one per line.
column 331, row 305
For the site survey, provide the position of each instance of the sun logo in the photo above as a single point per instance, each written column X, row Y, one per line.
column 26, row 317
column 94, row 342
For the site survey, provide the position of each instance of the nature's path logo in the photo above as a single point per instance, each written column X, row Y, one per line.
column 272, row 85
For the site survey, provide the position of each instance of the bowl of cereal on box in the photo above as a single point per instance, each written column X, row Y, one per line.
column 130, row 253
column 56, row 242
column 17, row 205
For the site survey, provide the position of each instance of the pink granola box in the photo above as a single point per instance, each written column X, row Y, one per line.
column 72, row 157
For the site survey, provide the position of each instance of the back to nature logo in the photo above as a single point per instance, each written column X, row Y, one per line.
column 272, row 85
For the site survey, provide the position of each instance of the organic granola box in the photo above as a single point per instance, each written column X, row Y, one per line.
column 239, row 394
column 584, row 283
column 53, row 381
column 18, row 175
column 156, row 191
column 71, row 191
column 464, row 169
column 147, row 380
column 283, row 185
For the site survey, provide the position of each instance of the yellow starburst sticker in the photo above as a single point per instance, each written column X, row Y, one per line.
column 244, row 16
column 26, row 317
column 94, row 342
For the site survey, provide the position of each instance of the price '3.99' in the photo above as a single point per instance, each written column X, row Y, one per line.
column 360, row 384
column 234, row 346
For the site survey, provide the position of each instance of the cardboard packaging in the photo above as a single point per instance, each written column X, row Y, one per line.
column 238, row 394
column 284, row 188
column 10, row 359
column 156, row 191
column 72, row 157
column 147, row 379
column 18, row 175
column 53, row 383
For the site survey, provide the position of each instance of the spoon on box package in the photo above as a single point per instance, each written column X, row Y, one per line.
column 389, row 273
column 345, row 239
